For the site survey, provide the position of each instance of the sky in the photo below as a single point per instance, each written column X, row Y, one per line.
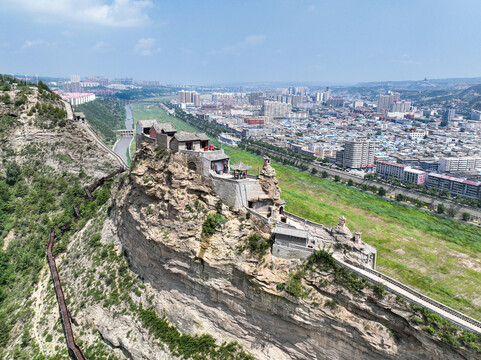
column 206, row 42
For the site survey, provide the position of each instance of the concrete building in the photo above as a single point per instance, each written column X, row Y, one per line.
column 475, row 115
column 189, row 98
column 449, row 114
column 390, row 170
column 414, row 176
column 284, row 235
column 456, row 186
column 459, row 164
column 78, row 98
column 256, row 98
column 401, row 106
column 358, row 154
column 418, row 134
column 401, row 172
column 274, row 109
column 385, row 101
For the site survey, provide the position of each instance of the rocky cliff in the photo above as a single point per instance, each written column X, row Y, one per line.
column 220, row 283
column 46, row 160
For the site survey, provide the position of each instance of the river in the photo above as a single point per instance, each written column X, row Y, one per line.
column 123, row 144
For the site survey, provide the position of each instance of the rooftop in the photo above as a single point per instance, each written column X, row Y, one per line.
column 147, row 123
column 240, row 167
column 164, row 127
column 289, row 231
column 190, row 136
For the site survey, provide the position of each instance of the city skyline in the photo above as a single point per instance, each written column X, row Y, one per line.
column 215, row 42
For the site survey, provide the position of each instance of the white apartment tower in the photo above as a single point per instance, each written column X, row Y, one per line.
column 359, row 154
column 385, row 101
column 189, row 97
column 273, row 109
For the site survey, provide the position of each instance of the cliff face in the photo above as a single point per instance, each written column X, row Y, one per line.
column 214, row 284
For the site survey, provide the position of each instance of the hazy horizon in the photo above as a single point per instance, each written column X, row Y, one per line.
column 213, row 42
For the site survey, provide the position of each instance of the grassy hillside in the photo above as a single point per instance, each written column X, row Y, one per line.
column 438, row 256
column 105, row 116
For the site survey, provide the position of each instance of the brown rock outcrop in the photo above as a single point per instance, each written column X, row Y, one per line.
column 233, row 295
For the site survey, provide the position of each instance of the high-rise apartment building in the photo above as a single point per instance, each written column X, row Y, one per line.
column 273, row 109
column 448, row 114
column 256, row 98
column 74, row 78
column 385, row 101
column 401, row 106
column 189, row 97
column 357, row 154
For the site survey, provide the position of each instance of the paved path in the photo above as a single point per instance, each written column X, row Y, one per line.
column 414, row 297
column 123, row 143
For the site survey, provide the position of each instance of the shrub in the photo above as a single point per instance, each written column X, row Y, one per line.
column 257, row 245
column 211, row 223
column 381, row 191
column 332, row 303
column 452, row 211
column 294, row 284
column 466, row 216
column 380, row 290
column 337, row 178
column 441, row 209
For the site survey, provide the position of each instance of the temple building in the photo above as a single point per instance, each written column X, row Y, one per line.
column 293, row 236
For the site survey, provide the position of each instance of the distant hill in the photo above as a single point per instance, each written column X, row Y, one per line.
column 433, row 84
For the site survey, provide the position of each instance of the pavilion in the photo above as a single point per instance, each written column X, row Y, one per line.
column 240, row 170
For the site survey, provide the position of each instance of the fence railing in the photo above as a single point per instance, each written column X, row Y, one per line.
column 434, row 304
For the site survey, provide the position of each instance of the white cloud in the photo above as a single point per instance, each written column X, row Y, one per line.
column 101, row 46
column 249, row 41
column 31, row 43
column 146, row 47
column 111, row 13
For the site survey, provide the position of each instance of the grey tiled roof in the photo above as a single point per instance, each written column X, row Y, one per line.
column 288, row 231
column 240, row 166
column 146, row 123
column 190, row 136
column 164, row 127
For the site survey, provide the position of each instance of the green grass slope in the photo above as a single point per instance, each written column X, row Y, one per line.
column 105, row 116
